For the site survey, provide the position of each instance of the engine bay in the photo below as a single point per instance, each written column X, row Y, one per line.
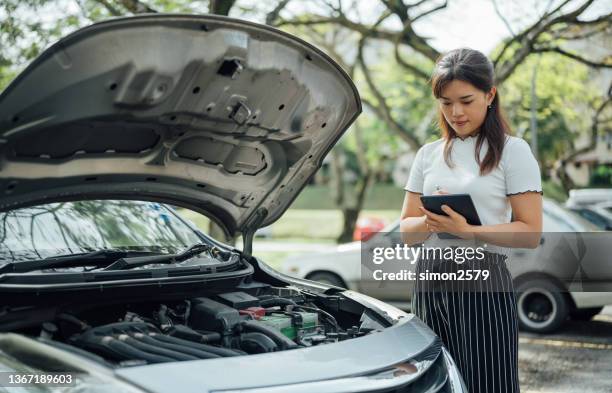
column 234, row 323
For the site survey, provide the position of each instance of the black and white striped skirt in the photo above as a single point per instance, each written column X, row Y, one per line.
column 476, row 319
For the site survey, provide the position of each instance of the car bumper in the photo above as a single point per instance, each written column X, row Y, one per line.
column 592, row 299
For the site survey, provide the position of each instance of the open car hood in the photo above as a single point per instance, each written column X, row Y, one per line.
column 222, row 116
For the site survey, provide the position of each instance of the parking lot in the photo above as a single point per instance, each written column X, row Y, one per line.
column 578, row 358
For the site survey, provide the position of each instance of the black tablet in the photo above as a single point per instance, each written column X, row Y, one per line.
column 461, row 203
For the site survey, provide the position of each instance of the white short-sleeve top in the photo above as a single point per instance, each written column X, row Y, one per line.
column 517, row 172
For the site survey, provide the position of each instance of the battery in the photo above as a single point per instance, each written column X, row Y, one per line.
column 284, row 323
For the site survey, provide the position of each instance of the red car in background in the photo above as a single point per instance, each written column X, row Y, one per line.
column 367, row 226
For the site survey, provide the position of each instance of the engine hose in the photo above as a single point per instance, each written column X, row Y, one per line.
column 255, row 342
column 186, row 333
column 203, row 347
column 72, row 319
column 155, row 349
column 276, row 336
column 130, row 353
column 76, row 350
column 210, row 337
column 175, row 347
column 276, row 301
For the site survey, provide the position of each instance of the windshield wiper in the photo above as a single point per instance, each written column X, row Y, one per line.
column 113, row 259
column 97, row 258
column 195, row 250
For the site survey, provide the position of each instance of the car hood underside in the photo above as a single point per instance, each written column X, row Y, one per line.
column 222, row 116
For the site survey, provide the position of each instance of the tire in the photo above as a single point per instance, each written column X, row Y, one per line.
column 542, row 306
column 585, row 314
column 327, row 278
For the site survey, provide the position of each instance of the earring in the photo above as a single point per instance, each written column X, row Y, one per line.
column 489, row 106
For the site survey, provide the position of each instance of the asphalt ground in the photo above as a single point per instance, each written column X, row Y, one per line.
column 577, row 358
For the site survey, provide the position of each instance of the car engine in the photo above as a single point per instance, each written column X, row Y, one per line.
column 220, row 325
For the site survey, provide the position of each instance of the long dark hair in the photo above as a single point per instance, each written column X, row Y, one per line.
column 472, row 66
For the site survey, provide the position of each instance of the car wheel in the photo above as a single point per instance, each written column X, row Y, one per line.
column 542, row 307
column 327, row 278
column 585, row 314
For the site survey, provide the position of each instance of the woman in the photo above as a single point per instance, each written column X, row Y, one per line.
column 476, row 155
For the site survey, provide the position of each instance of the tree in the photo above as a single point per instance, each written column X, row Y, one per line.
column 566, row 101
column 388, row 81
column 24, row 34
column 546, row 34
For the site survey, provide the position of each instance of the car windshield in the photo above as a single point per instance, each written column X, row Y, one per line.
column 84, row 226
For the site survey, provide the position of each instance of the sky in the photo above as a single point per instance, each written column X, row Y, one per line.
column 471, row 23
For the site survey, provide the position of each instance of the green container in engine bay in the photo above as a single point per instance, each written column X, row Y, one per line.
column 288, row 325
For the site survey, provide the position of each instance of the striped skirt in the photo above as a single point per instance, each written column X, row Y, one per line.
column 476, row 319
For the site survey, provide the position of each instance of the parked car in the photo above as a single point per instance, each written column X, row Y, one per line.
column 593, row 204
column 365, row 227
column 542, row 277
column 588, row 196
column 100, row 278
column 599, row 214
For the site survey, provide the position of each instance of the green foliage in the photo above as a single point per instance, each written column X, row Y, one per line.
column 565, row 102
column 408, row 96
column 601, row 176
column 24, row 33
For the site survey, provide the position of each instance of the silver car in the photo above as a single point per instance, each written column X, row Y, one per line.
column 104, row 289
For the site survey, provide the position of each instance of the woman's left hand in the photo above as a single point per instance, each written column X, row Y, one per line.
column 454, row 223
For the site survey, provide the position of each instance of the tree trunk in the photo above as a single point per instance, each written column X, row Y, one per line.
column 351, row 214
column 566, row 182
column 349, row 219
column 337, row 174
column 221, row 7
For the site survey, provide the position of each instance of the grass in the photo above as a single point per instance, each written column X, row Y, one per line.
column 299, row 225
column 319, row 224
column 379, row 197
column 313, row 217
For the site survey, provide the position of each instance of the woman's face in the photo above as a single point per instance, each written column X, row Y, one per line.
column 464, row 106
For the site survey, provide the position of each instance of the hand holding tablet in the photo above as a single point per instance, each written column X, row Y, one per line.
column 461, row 203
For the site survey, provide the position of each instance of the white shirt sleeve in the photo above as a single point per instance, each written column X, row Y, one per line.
column 521, row 169
column 415, row 180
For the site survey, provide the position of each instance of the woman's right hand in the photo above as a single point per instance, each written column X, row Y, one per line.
column 412, row 220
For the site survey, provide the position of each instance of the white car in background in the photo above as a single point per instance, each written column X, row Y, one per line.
column 593, row 204
column 544, row 301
